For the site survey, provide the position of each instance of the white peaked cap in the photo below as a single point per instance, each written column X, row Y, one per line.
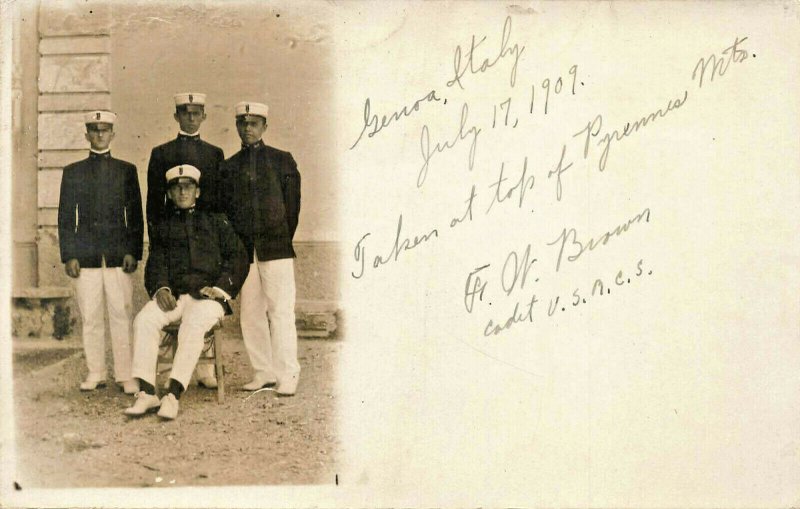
column 190, row 98
column 250, row 108
column 184, row 170
column 99, row 117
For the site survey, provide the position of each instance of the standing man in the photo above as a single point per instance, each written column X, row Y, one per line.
column 100, row 231
column 262, row 199
column 196, row 265
column 189, row 149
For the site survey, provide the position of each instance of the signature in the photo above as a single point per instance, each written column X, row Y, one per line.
column 578, row 248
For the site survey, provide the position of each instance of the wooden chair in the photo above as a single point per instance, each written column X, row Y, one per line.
column 211, row 354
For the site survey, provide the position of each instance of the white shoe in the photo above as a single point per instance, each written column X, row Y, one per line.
column 169, row 407
column 144, row 403
column 259, row 382
column 90, row 385
column 130, row 386
column 209, row 382
column 287, row 387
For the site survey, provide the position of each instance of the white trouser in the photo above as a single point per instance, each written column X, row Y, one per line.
column 113, row 286
column 197, row 317
column 271, row 342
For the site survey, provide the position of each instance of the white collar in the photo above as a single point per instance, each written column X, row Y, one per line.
column 99, row 151
column 182, row 133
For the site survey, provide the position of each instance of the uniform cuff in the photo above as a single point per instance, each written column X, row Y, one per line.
column 226, row 294
column 167, row 288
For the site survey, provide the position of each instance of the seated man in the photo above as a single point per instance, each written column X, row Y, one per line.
column 197, row 264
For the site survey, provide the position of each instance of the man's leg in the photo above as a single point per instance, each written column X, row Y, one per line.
column 119, row 302
column 278, row 279
column 89, row 293
column 146, row 338
column 198, row 317
column 255, row 327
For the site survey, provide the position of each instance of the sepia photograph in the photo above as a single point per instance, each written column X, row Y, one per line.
column 399, row 254
column 175, row 296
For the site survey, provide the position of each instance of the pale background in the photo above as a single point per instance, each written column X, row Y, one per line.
column 682, row 389
column 276, row 54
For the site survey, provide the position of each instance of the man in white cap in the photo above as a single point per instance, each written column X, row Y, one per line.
column 186, row 148
column 261, row 195
column 100, row 231
column 196, row 265
column 189, row 149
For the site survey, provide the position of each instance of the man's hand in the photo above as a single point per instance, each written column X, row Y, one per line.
column 165, row 300
column 212, row 293
column 73, row 268
column 129, row 264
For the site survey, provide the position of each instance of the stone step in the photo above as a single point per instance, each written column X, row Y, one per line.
column 44, row 311
column 42, row 292
column 316, row 319
column 51, row 311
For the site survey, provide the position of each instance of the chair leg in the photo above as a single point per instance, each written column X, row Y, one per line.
column 169, row 342
column 218, row 367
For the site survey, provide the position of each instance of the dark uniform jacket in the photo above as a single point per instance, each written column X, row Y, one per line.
column 191, row 249
column 182, row 150
column 100, row 212
column 261, row 196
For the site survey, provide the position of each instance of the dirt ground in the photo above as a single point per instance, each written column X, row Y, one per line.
column 68, row 438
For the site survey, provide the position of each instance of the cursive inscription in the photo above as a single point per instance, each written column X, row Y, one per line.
column 460, row 68
column 524, row 183
column 578, row 248
column 720, row 64
column 594, row 127
column 474, row 287
column 428, row 152
column 371, row 120
column 398, row 247
column 518, row 288
column 518, row 267
column 493, row 329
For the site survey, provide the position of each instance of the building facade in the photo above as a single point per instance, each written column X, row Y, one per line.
column 71, row 57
